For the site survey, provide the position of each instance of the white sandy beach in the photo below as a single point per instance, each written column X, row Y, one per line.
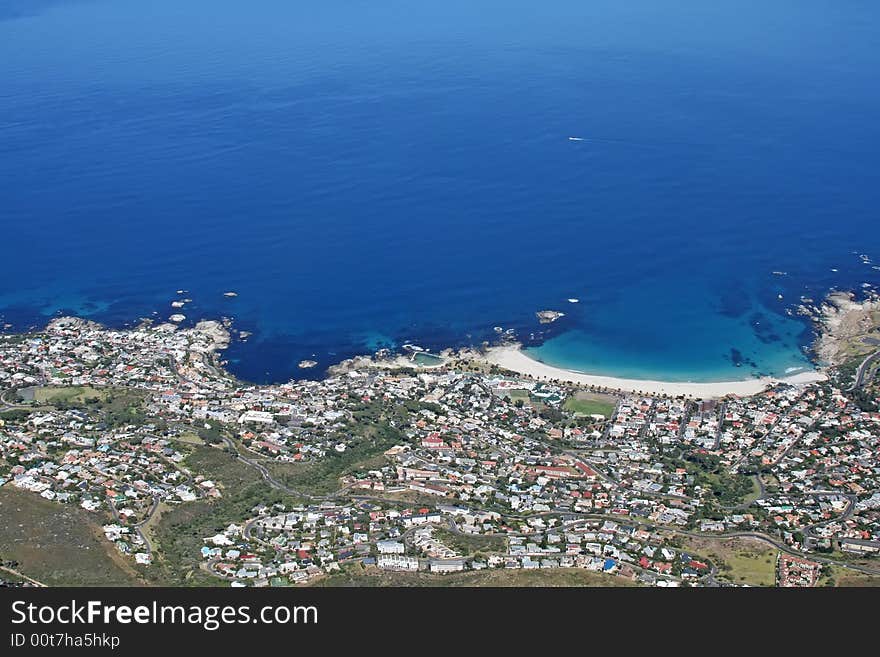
column 514, row 359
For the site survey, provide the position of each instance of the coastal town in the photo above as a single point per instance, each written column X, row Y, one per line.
column 459, row 467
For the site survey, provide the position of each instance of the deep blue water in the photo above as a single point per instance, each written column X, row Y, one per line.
column 365, row 173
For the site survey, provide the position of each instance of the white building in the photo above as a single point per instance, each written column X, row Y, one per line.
column 258, row 417
column 397, row 562
column 390, row 547
column 446, row 565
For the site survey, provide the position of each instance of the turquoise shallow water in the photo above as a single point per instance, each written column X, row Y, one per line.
column 366, row 174
column 761, row 341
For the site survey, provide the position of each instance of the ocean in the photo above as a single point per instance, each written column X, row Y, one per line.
column 366, row 174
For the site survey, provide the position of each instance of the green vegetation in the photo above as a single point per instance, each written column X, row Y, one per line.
column 757, row 569
column 869, row 561
column 180, row 531
column 519, row 397
column 771, row 483
column 585, row 403
column 470, row 544
column 59, row 545
column 8, row 576
column 116, row 406
column 739, row 560
column 15, row 415
column 365, row 439
column 323, row 477
column 358, row 575
column 148, row 528
column 410, row 498
column 222, row 467
column 122, row 407
column 188, row 439
column 213, row 435
column 755, row 493
column 853, row 344
column 728, row 489
column 843, row 577
column 866, row 399
column 68, row 395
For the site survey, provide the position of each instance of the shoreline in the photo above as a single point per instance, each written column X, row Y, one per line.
column 845, row 326
column 509, row 356
column 513, row 358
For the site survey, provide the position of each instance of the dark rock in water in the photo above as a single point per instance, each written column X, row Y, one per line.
column 759, row 323
column 735, row 302
column 738, row 359
column 763, row 328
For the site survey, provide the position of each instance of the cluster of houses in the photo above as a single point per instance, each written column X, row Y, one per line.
column 125, row 472
column 488, row 454
column 298, row 544
column 796, row 572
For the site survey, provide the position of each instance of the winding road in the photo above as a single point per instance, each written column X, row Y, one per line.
column 6, row 405
column 863, row 370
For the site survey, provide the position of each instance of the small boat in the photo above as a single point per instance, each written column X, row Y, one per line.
column 574, row 300
column 575, row 139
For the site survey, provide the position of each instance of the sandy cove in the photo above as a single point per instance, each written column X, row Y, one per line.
column 511, row 357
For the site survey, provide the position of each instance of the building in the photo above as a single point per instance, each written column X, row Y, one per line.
column 390, row 547
column 446, row 565
column 257, row 417
column 397, row 562
column 858, row 546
